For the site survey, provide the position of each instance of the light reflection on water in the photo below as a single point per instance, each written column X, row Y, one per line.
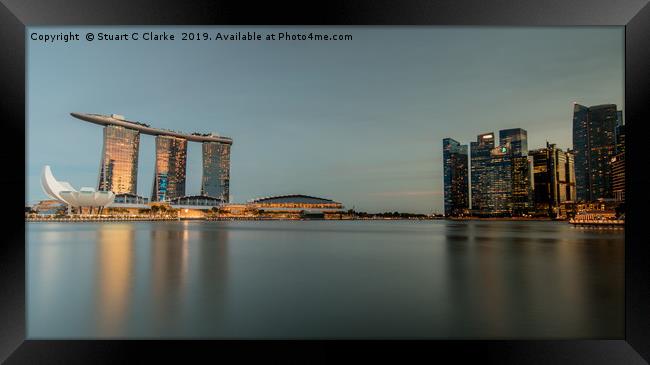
column 324, row 279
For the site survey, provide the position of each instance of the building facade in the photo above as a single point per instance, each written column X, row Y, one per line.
column 618, row 165
column 169, row 174
column 554, row 179
column 522, row 188
column 618, row 177
column 516, row 138
column 499, row 186
column 515, row 141
column 480, row 179
column 501, row 174
column 118, row 171
column 215, row 181
column 455, row 171
column 594, row 143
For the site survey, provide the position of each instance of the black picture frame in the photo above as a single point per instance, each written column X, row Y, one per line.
column 16, row 15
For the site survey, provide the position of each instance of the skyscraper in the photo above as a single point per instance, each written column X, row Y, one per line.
column 618, row 177
column 456, row 190
column 515, row 140
column 216, row 170
column 499, row 186
column 480, row 154
column 521, row 185
column 501, row 175
column 118, row 171
column 554, row 174
column 618, row 165
column 594, row 143
column 171, row 162
column 620, row 139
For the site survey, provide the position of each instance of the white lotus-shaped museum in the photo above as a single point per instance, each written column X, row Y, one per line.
column 65, row 193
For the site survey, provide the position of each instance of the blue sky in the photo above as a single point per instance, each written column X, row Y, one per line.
column 358, row 121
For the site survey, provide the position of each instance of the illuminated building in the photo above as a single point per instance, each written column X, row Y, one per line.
column 456, row 190
column 522, row 188
column 501, row 174
column 295, row 206
column 618, row 177
column 293, row 202
column 554, row 179
column 169, row 174
column 516, row 140
column 216, row 170
column 594, row 143
column 499, row 188
column 118, row 172
column 618, row 165
column 480, row 155
column 119, row 164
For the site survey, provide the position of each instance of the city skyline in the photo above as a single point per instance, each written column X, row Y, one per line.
column 366, row 133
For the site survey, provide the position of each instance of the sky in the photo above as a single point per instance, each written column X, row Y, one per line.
column 358, row 121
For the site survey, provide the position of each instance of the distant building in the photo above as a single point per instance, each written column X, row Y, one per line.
column 169, row 174
column 455, row 169
column 296, row 205
column 515, row 141
column 119, row 165
column 216, row 170
column 499, row 188
column 594, row 143
column 522, row 185
column 49, row 207
column 501, row 174
column 618, row 177
column 618, row 165
column 554, row 179
column 517, row 138
column 198, row 202
column 480, row 157
column 130, row 201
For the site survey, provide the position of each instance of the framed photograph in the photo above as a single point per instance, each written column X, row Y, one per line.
column 467, row 176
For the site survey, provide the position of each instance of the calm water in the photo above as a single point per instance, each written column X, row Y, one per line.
column 324, row 279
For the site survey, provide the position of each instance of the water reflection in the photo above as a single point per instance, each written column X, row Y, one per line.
column 324, row 279
column 169, row 253
column 506, row 279
column 210, row 289
column 114, row 277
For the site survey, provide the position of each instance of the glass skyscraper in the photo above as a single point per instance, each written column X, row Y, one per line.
column 169, row 174
column 554, row 179
column 499, row 187
column 118, row 171
column 216, row 170
column 618, row 165
column 119, row 164
column 515, row 140
column 480, row 156
column 501, row 174
column 594, row 143
column 456, row 189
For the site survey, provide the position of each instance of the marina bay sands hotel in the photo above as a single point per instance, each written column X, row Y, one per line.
column 119, row 162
